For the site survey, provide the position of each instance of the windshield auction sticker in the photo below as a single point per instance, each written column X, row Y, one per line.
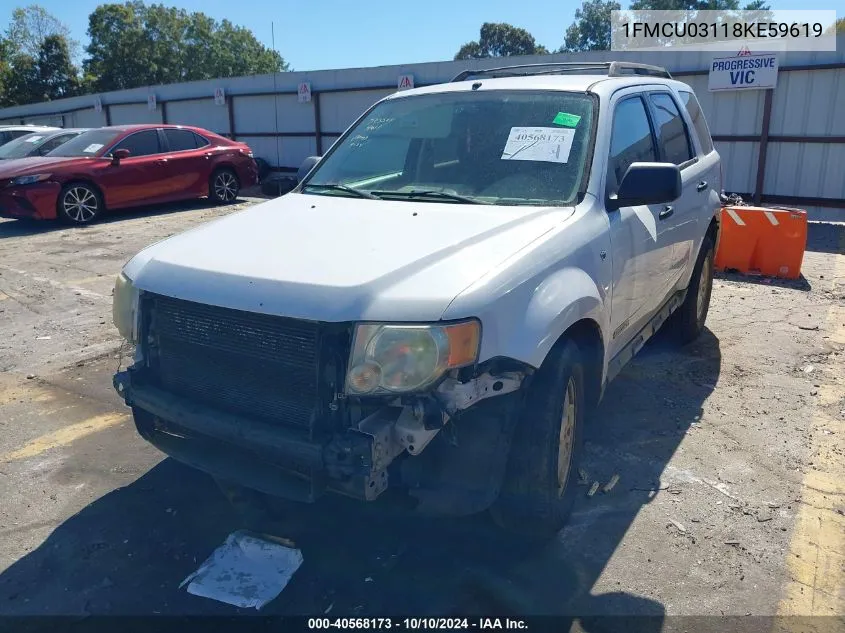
column 543, row 144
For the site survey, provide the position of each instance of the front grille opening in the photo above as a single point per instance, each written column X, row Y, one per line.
column 254, row 364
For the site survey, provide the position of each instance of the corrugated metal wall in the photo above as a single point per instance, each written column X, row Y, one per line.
column 808, row 102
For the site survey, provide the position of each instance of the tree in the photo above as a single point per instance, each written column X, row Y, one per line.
column 134, row 45
column 838, row 27
column 58, row 77
column 591, row 29
column 22, row 81
column 696, row 5
column 30, row 26
column 500, row 40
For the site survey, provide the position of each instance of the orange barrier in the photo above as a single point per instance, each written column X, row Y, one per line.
column 762, row 241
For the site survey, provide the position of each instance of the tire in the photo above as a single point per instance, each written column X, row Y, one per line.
column 79, row 203
column 539, row 487
column 224, row 186
column 688, row 320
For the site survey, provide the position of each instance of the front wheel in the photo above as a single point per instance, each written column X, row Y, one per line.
column 224, row 186
column 539, row 488
column 79, row 203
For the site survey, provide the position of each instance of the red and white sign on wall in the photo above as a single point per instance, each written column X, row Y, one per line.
column 406, row 82
column 304, row 92
column 151, row 102
column 219, row 96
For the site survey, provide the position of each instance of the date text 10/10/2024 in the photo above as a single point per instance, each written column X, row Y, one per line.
column 418, row 623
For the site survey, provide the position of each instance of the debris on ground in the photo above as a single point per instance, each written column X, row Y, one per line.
column 246, row 571
column 593, row 489
column 583, row 477
column 609, row 485
column 680, row 526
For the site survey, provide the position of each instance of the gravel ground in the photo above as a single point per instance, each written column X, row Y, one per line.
column 729, row 454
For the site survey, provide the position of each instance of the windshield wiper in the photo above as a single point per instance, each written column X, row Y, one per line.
column 433, row 194
column 339, row 187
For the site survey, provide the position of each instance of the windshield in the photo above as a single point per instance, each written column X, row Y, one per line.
column 87, row 143
column 495, row 147
column 22, row 146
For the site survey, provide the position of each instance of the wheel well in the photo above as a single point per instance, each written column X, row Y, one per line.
column 586, row 334
column 226, row 166
column 87, row 183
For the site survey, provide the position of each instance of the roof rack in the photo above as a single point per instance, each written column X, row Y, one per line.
column 611, row 69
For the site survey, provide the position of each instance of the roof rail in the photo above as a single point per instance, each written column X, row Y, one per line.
column 611, row 69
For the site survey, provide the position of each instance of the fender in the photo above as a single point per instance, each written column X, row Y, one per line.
column 538, row 314
column 564, row 298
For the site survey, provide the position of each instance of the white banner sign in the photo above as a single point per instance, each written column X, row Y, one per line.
column 219, row 96
column 304, row 92
column 745, row 71
column 151, row 102
column 405, row 82
column 98, row 105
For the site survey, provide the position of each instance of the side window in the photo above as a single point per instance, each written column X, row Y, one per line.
column 672, row 136
column 140, row 143
column 180, row 140
column 699, row 123
column 54, row 142
column 18, row 133
column 4, row 138
column 201, row 141
column 631, row 140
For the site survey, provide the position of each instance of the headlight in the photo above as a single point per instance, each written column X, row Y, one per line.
column 125, row 308
column 403, row 358
column 29, row 180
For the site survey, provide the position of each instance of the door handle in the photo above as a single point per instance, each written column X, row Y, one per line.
column 701, row 186
column 668, row 211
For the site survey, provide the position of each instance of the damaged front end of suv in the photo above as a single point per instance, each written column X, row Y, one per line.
column 297, row 408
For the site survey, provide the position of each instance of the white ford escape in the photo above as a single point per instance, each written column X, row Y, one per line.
column 440, row 301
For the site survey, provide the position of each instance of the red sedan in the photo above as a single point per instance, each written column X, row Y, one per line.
column 123, row 166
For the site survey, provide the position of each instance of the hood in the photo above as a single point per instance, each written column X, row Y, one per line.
column 331, row 258
column 15, row 167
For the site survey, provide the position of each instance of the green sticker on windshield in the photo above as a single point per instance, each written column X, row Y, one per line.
column 568, row 120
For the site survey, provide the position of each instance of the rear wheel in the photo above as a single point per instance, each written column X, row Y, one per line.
column 79, row 203
column 689, row 319
column 224, row 186
column 539, row 488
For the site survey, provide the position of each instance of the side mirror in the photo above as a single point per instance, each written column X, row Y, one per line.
column 118, row 155
column 306, row 166
column 647, row 183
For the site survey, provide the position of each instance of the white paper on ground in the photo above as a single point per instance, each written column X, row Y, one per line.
column 544, row 144
column 246, row 571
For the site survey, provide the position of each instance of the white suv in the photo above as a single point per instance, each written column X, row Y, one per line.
column 440, row 301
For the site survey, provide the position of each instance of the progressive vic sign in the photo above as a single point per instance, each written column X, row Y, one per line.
column 743, row 72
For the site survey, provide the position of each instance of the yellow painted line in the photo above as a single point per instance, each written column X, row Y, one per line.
column 816, row 556
column 65, row 436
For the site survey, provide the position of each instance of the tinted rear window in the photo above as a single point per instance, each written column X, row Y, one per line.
column 698, row 121
column 672, row 137
column 180, row 140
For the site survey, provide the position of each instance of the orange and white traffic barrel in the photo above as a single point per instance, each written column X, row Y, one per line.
column 763, row 241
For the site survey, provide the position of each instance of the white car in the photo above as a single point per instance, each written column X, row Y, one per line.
column 440, row 301
column 11, row 132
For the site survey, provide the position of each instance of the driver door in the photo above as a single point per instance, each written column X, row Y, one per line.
column 633, row 230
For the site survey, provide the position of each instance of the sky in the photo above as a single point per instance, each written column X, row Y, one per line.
column 323, row 34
